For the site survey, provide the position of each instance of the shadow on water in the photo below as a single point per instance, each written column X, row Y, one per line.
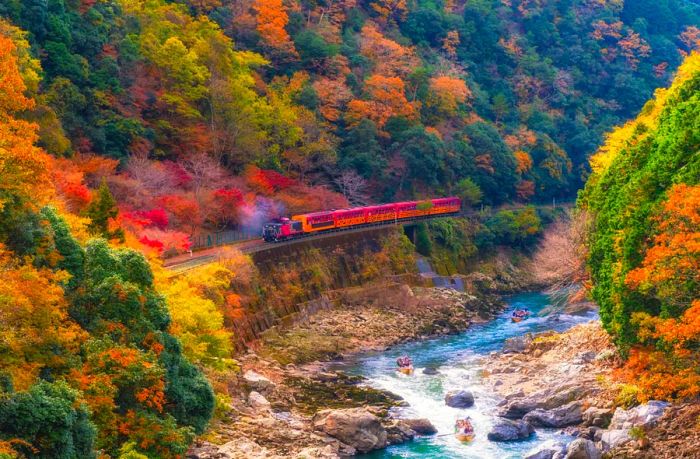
column 458, row 360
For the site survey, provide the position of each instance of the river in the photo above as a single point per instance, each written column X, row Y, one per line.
column 458, row 359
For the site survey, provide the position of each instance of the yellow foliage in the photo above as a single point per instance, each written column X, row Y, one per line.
column 624, row 135
column 194, row 301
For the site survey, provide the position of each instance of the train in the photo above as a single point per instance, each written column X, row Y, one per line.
column 302, row 225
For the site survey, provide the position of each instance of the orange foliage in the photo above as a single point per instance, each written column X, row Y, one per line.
column 450, row 43
column 387, row 99
column 511, row 46
column 674, row 258
column 633, row 48
column 449, row 92
column 389, row 57
column 389, row 9
column 659, row 377
column 333, row 94
column 24, row 168
column 37, row 332
column 271, row 17
column 523, row 161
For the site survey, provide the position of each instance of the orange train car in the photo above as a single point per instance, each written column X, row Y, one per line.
column 357, row 216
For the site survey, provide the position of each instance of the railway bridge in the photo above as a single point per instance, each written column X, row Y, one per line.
column 252, row 244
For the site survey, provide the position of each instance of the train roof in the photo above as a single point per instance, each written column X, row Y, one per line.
column 375, row 206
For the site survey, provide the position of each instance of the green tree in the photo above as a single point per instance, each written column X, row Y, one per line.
column 101, row 210
column 51, row 418
column 469, row 192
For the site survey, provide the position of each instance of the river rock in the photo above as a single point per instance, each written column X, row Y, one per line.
column 641, row 416
column 562, row 416
column 582, row 449
column 421, row 426
column 507, row 430
column 614, row 438
column 550, row 450
column 257, row 381
column 399, row 432
column 598, row 417
column 459, row 399
column 517, row 345
column 430, row 371
column 545, row 399
column 356, row 427
column 258, row 402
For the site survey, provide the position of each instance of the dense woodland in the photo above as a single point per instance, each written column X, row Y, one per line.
column 203, row 115
column 126, row 126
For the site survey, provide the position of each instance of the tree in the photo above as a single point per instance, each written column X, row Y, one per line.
column 271, row 17
column 469, row 192
column 51, row 418
column 102, row 211
column 353, row 186
column 386, row 99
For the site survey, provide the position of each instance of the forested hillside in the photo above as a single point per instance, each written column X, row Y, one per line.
column 643, row 201
column 211, row 113
column 127, row 126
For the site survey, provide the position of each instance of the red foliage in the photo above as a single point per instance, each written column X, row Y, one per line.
column 185, row 210
column 267, row 181
column 180, row 176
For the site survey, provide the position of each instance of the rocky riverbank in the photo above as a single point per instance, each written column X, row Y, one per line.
column 563, row 381
column 289, row 404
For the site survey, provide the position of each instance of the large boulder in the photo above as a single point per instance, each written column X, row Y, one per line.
column 545, row 399
column 598, row 417
column 256, row 381
column 550, row 450
column 430, row 371
column 562, row 416
column 356, row 427
column 507, row 430
column 613, row 438
column 459, row 399
column 582, row 449
column 517, row 345
column 399, row 432
column 640, row 416
column 421, row 426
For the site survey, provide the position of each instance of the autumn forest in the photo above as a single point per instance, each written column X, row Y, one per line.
column 130, row 127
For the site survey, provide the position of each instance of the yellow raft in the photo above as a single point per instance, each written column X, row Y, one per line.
column 464, row 437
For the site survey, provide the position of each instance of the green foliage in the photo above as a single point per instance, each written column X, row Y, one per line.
column 468, row 191
column 51, row 418
column 423, row 244
column 101, row 210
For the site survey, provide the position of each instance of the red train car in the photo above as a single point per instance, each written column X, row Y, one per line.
column 302, row 224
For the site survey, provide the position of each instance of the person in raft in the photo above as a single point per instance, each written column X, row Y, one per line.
column 404, row 362
column 464, row 426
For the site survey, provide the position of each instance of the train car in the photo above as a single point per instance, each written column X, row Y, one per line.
column 298, row 225
column 413, row 209
column 281, row 229
column 382, row 213
column 316, row 221
column 450, row 205
column 350, row 217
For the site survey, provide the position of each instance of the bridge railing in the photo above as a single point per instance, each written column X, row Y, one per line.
column 207, row 240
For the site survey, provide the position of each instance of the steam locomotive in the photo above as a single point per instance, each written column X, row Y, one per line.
column 283, row 229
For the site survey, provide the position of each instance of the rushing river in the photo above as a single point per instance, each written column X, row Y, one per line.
column 458, row 359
